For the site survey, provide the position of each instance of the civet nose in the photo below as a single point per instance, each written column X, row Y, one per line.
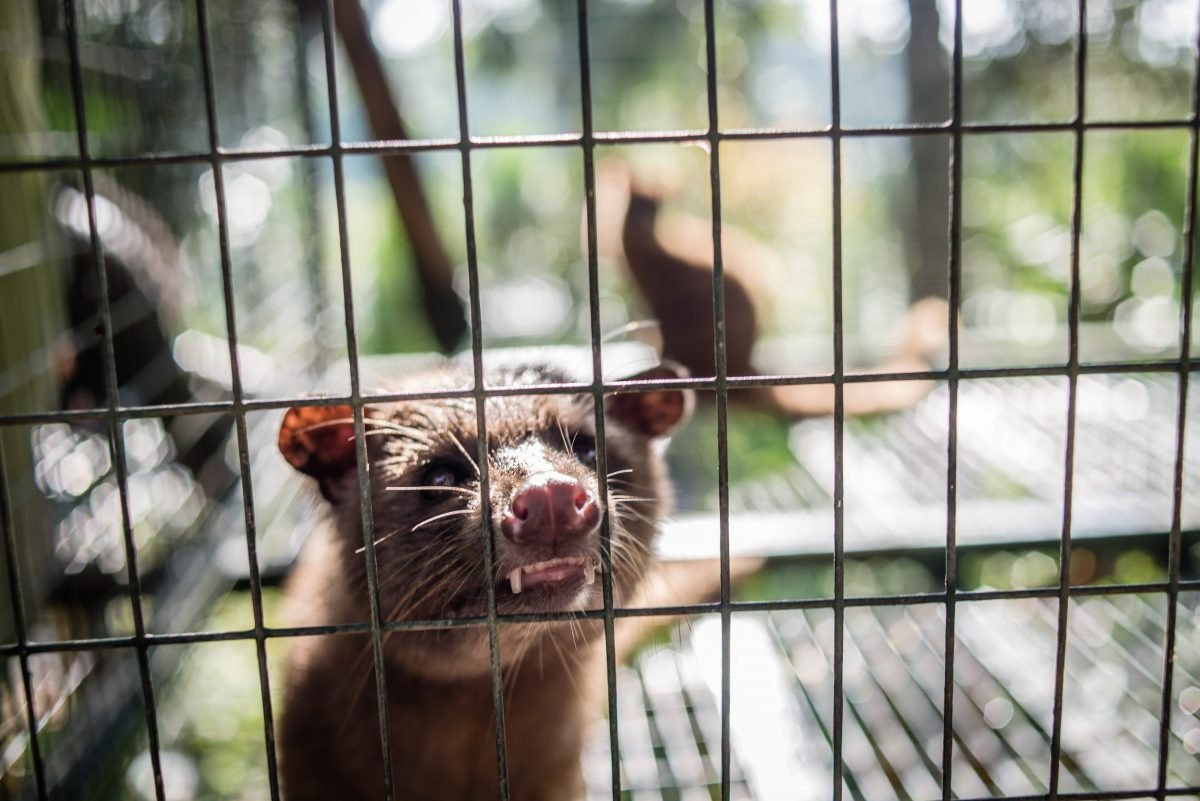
column 549, row 507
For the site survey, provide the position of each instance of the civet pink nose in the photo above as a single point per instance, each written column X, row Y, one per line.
column 549, row 507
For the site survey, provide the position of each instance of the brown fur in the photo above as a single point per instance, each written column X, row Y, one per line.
column 677, row 283
column 438, row 681
column 673, row 268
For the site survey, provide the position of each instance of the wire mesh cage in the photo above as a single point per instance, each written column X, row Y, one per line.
column 991, row 593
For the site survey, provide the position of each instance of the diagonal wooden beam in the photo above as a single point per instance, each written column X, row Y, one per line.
column 442, row 305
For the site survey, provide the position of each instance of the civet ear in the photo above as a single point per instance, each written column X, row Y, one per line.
column 319, row 441
column 656, row 412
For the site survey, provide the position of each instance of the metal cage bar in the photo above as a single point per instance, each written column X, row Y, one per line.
column 614, row 387
column 851, row 601
column 596, row 388
column 476, row 316
column 386, row 147
column 1073, row 306
column 954, row 277
column 721, row 380
column 239, row 413
column 115, row 422
column 115, row 414
column 1175, row 546
column 356, row 402
column 839, row 412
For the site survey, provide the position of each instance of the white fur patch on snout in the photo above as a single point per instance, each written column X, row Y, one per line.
column 528, row 457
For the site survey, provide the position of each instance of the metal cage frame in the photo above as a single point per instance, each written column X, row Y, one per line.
column 141, row 641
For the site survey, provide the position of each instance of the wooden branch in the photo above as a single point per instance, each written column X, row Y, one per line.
column 442, row 306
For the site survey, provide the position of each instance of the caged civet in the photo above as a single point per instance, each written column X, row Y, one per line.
column 545, row 506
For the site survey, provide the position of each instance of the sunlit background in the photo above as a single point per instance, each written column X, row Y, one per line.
column 143, row 95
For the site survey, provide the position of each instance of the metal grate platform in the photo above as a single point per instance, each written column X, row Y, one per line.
column 782, row 674
column 1011, row 440
column 782, row 703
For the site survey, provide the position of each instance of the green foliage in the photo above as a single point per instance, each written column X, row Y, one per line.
column 211, row 709
column 758, row 448
column 1138, row 567
column 395, row 321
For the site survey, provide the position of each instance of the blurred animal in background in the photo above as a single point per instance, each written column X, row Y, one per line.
column 147, row 276
column 670, row 258
column 671, row 261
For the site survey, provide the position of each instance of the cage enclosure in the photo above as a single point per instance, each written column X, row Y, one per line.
column 931, row 266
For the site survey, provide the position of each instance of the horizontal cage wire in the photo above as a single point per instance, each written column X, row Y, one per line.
column 172, row 521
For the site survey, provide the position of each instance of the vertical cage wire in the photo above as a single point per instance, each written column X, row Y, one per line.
column 1073, row 304
column 356, row 402
column 115, row 421
column 486, row 531
column 839, row 412
column 954, row 300
column 247, row 493
column 1175, row 544
column 721, row 379
column 588, row 143
column 239, row 412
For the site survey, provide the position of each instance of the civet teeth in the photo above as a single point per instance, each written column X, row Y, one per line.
column 515, row 576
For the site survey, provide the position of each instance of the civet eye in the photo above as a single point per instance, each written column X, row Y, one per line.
column 584, row 448
column 442, row 476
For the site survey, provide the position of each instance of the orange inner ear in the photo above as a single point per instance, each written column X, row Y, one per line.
column 652, row 413
column 318, row 440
